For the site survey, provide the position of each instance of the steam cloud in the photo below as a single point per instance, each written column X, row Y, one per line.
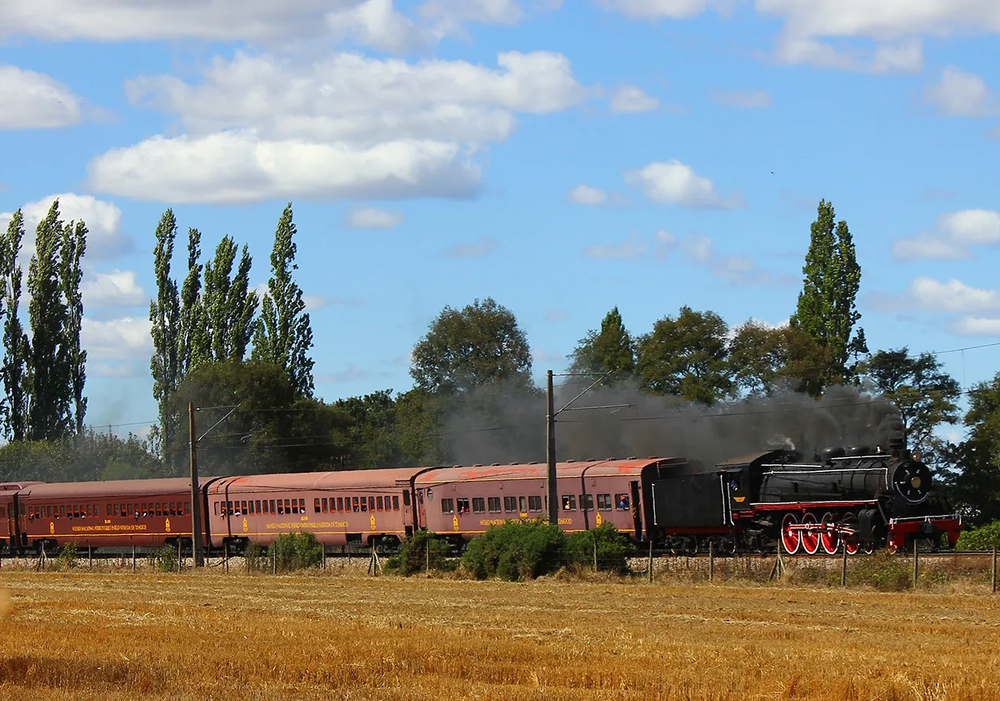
column 502, row 425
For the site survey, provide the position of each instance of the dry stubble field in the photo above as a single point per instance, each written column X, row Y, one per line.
column 79, row 635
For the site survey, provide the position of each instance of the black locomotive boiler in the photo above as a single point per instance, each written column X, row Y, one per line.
column 856, row 497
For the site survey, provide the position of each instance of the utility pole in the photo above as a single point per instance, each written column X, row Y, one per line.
column 198, row 545
column 198, row 552
column 550, row 453
column 550, row 433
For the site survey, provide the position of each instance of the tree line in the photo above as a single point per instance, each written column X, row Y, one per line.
column 245, row 358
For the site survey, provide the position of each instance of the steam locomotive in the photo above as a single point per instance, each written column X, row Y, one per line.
column 856, row 498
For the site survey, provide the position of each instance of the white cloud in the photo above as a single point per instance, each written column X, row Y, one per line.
column 240, row 167
column 115, row 289
column 314, row 302
column 346, row 127
column 584, row 194
column 357, row 98
column 905, row 56
column 105, row 240
column 629, row 98
column 30, row 100
column 119, row 369
column 951, row 296
column 674, row 182
column 117, row 339
column 481, row 247
column 631, row 247
column 961, row 94
column 750, row 99
column 449, row 15
column 373, row 218
column 696, row 248
column 977, row 326
column 651, row 9
column 952, row 236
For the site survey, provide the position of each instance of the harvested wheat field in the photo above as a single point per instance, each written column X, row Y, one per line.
column 73, row 635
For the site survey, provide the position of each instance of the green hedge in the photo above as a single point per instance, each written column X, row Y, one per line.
column 982, row 538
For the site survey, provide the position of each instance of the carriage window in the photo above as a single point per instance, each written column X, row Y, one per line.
column 569, row 502
column 395, row 502
column 354, row 504
column 494, row 505
column 604, row 502
column 326, row 503
column 256, row 506
column 302, row 506
column 463, row 506
column 243, row 508
column 510, row 503
column 364, row 503
column 478, row 505
column 406, row 498
column 379, row 503
column 340, row 503
column 534, row 503
column 272, row 508
column 621, row 501
column 586, row 502
column 522, row 503
column 371, row 503
column 281, row 506
column 447, row 506
column 216, row 508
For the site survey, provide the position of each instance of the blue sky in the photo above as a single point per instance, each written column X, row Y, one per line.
column 562, row 158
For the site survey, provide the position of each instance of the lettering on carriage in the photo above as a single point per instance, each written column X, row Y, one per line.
column 307, row 525
column 112, row 527
column 493, row 522
column 565, row 522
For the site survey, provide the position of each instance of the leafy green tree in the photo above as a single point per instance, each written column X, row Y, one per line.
column 925, row 395
column 608, row 350
column 195, row 346
column 374, row 432
column 229, row 303
column 973, row 482
column 686, row 356
column 14, row 368
column 71, row 356
column 766, row 360
column 85, row 456
column 164, row 315
column 48, row 314
column 284, row 335
column 831, row 279
column 273, row 429
column 480, row 345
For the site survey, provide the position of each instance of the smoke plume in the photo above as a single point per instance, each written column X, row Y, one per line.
column 501, row 425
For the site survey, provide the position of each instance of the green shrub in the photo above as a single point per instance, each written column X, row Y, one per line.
column 419, row 550
column 982, row 538
column 883, row 571
column 67, row 557
column 166, row 559
column 517, row 550
column 297, row 551
column 611, row 549
column 254, row 556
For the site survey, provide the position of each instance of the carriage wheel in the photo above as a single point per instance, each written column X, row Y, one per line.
column 789, row 539
column 830, row 540
column 851, row 543
column 810, row 538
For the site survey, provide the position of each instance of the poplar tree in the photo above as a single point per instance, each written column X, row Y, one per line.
column 283, row 335
column 164, row 315
column 16, row 347
column 229, row 303
column 826, row 307
column 194, row 346
column 48, row 315
column 72, row 358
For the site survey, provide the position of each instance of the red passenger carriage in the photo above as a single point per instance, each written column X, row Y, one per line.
column 462, row 502
column 357, row 507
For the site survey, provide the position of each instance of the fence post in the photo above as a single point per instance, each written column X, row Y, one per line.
column 650, row 567
column 843, row 563
column 916, row 562
column 274, row 557
column 994, row 577
column 595, row 551
column 180, row 560
column 711, row 561
column 90, row 556
column 323, row 558
column 427, row 556
column 133, row 557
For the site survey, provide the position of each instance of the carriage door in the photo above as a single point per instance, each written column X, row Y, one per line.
column 636, row 512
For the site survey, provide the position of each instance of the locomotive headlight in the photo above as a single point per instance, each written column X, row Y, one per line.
column 915, row 482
